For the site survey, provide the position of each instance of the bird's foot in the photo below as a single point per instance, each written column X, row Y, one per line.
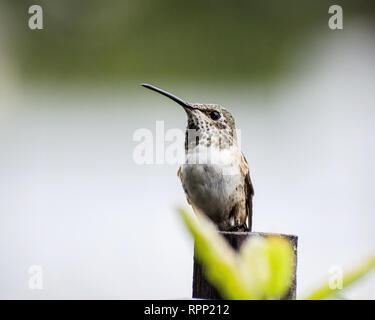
column 239, row 228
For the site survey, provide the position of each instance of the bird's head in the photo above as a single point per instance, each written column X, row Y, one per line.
column 213, row 124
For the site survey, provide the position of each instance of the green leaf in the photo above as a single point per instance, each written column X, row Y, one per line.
column 350, row 277
column 217, row 256
column 270, row 260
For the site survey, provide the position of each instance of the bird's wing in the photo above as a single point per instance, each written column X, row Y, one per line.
column 180, row 176
column 249, row 192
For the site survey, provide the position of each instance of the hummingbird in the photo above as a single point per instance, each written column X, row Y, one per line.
column 215, row 174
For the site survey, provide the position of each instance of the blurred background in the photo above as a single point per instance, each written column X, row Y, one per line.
column 73, row 201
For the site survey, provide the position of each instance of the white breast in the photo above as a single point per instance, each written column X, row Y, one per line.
column 210, row 178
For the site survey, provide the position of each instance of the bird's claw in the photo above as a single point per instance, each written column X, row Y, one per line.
column 239, row 228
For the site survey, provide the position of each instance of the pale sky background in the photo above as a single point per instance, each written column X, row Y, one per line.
column 100, row 226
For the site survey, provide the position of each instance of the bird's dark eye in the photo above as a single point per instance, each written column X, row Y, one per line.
column 215, row 115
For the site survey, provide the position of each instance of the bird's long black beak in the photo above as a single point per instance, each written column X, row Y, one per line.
column 169, row 95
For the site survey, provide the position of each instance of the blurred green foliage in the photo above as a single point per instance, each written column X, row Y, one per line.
column 262, row 269
column 191, row 40
column 350, row 277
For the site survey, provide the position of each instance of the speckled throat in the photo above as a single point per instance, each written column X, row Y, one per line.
column 202, row 130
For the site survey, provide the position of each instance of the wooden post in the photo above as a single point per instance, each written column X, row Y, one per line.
column 202, row 289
